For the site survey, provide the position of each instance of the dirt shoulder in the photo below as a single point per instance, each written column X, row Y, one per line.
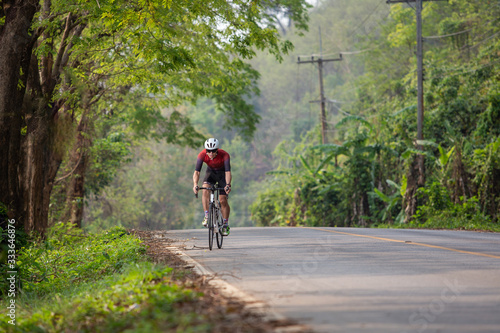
column 225, row 314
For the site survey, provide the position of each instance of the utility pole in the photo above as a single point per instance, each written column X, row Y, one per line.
column 420, row 67
column 320, row 62
column 416, row 174
column 420, row 73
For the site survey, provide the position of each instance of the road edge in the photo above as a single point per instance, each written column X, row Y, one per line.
column 252, row 304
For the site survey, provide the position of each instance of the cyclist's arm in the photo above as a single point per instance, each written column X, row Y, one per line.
column 196, row 179
column 229, row 177
column 197, row 169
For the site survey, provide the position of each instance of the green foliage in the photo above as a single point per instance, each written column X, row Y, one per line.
column 440, row 213
column 98, row 282
column 3, row 210
column 159, row 191
column 486, row 166
column 69, row 257
column 151, row 46
column 437, row 196
column 309, row 190
column 375, row 128
column 141, row 298
column 489, row 121
column 20, row 239
column 444, row 157
column 108, row 154
column 392, row 201
column 269, row 208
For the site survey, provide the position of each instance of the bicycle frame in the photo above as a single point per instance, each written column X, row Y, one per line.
column 215, row 220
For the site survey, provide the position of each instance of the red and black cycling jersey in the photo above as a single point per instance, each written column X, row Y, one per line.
column 221, row 162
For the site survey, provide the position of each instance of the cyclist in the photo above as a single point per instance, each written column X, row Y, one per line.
column 218, row 170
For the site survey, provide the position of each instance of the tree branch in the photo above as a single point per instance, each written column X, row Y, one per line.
column 71, row 172
column 56, row 69
column 65, row 57
column 46, row 58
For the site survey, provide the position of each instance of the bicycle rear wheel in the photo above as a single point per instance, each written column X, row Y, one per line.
column 211, row 223
column 218, row 235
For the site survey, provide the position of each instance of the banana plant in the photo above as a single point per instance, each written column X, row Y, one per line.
column 358, row 119
column 333, row 149
column 444, row 157
column 393, row 199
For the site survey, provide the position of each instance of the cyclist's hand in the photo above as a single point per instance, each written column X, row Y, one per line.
column 195, row 189
column 227, row 189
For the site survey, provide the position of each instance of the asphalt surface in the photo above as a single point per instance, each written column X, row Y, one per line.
column 362, row 280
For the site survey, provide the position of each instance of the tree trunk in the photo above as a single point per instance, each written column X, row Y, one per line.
column 32, row 132
column 365, row 209
column 41, row 161
column 79, row 160
column 415, row 179
column 461, row 186
column 16, row 44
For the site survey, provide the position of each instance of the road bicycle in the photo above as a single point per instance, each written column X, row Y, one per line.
column 215, row 219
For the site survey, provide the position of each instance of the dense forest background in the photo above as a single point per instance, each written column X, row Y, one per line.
column 283, row 175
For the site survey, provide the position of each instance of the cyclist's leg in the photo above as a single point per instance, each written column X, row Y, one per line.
column 205, row 197
column 224, row 206
column 220, row 176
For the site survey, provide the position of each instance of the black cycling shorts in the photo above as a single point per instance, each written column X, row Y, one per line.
column 212, row 177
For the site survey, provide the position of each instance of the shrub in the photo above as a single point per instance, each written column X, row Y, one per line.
column 68, row 256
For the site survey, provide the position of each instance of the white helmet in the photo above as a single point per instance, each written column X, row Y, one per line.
column 212, row 144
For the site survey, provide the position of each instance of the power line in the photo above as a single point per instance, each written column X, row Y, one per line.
column 341, row 52
column 449, row 35
column 358, row 52
column 484, row 40
column 429, row 37
column 458, row 71
column 319, row 60
column 363, row 22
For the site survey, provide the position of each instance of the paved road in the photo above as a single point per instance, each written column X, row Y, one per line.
column 363, row 280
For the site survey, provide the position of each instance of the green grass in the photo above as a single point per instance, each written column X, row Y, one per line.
column 97, row 283
column 448, row 220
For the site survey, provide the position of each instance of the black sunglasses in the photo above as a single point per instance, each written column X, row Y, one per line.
column 211, row 150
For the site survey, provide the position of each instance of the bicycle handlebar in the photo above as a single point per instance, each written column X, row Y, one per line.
column 210, row 188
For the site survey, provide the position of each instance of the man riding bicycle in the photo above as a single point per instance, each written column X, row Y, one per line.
column 218, row 170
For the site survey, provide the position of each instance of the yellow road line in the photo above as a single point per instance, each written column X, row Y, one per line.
column 409, row 243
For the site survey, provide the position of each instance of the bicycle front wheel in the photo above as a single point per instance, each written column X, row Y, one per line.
column 211, row 224
column 219, row 222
